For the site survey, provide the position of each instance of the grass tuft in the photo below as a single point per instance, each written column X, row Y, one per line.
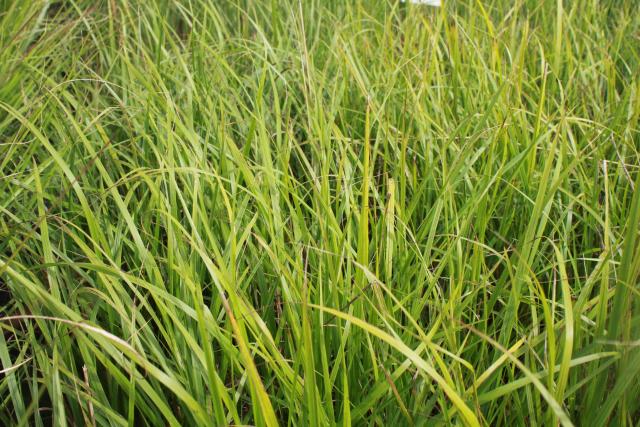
column 319, row 212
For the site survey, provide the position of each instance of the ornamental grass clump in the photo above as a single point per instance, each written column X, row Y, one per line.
column 319, row 212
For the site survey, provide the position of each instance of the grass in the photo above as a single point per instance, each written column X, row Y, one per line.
column 319, row 212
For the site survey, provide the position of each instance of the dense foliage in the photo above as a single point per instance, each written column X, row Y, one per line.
column 319, row 212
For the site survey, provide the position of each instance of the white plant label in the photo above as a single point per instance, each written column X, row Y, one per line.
column 436, row 3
